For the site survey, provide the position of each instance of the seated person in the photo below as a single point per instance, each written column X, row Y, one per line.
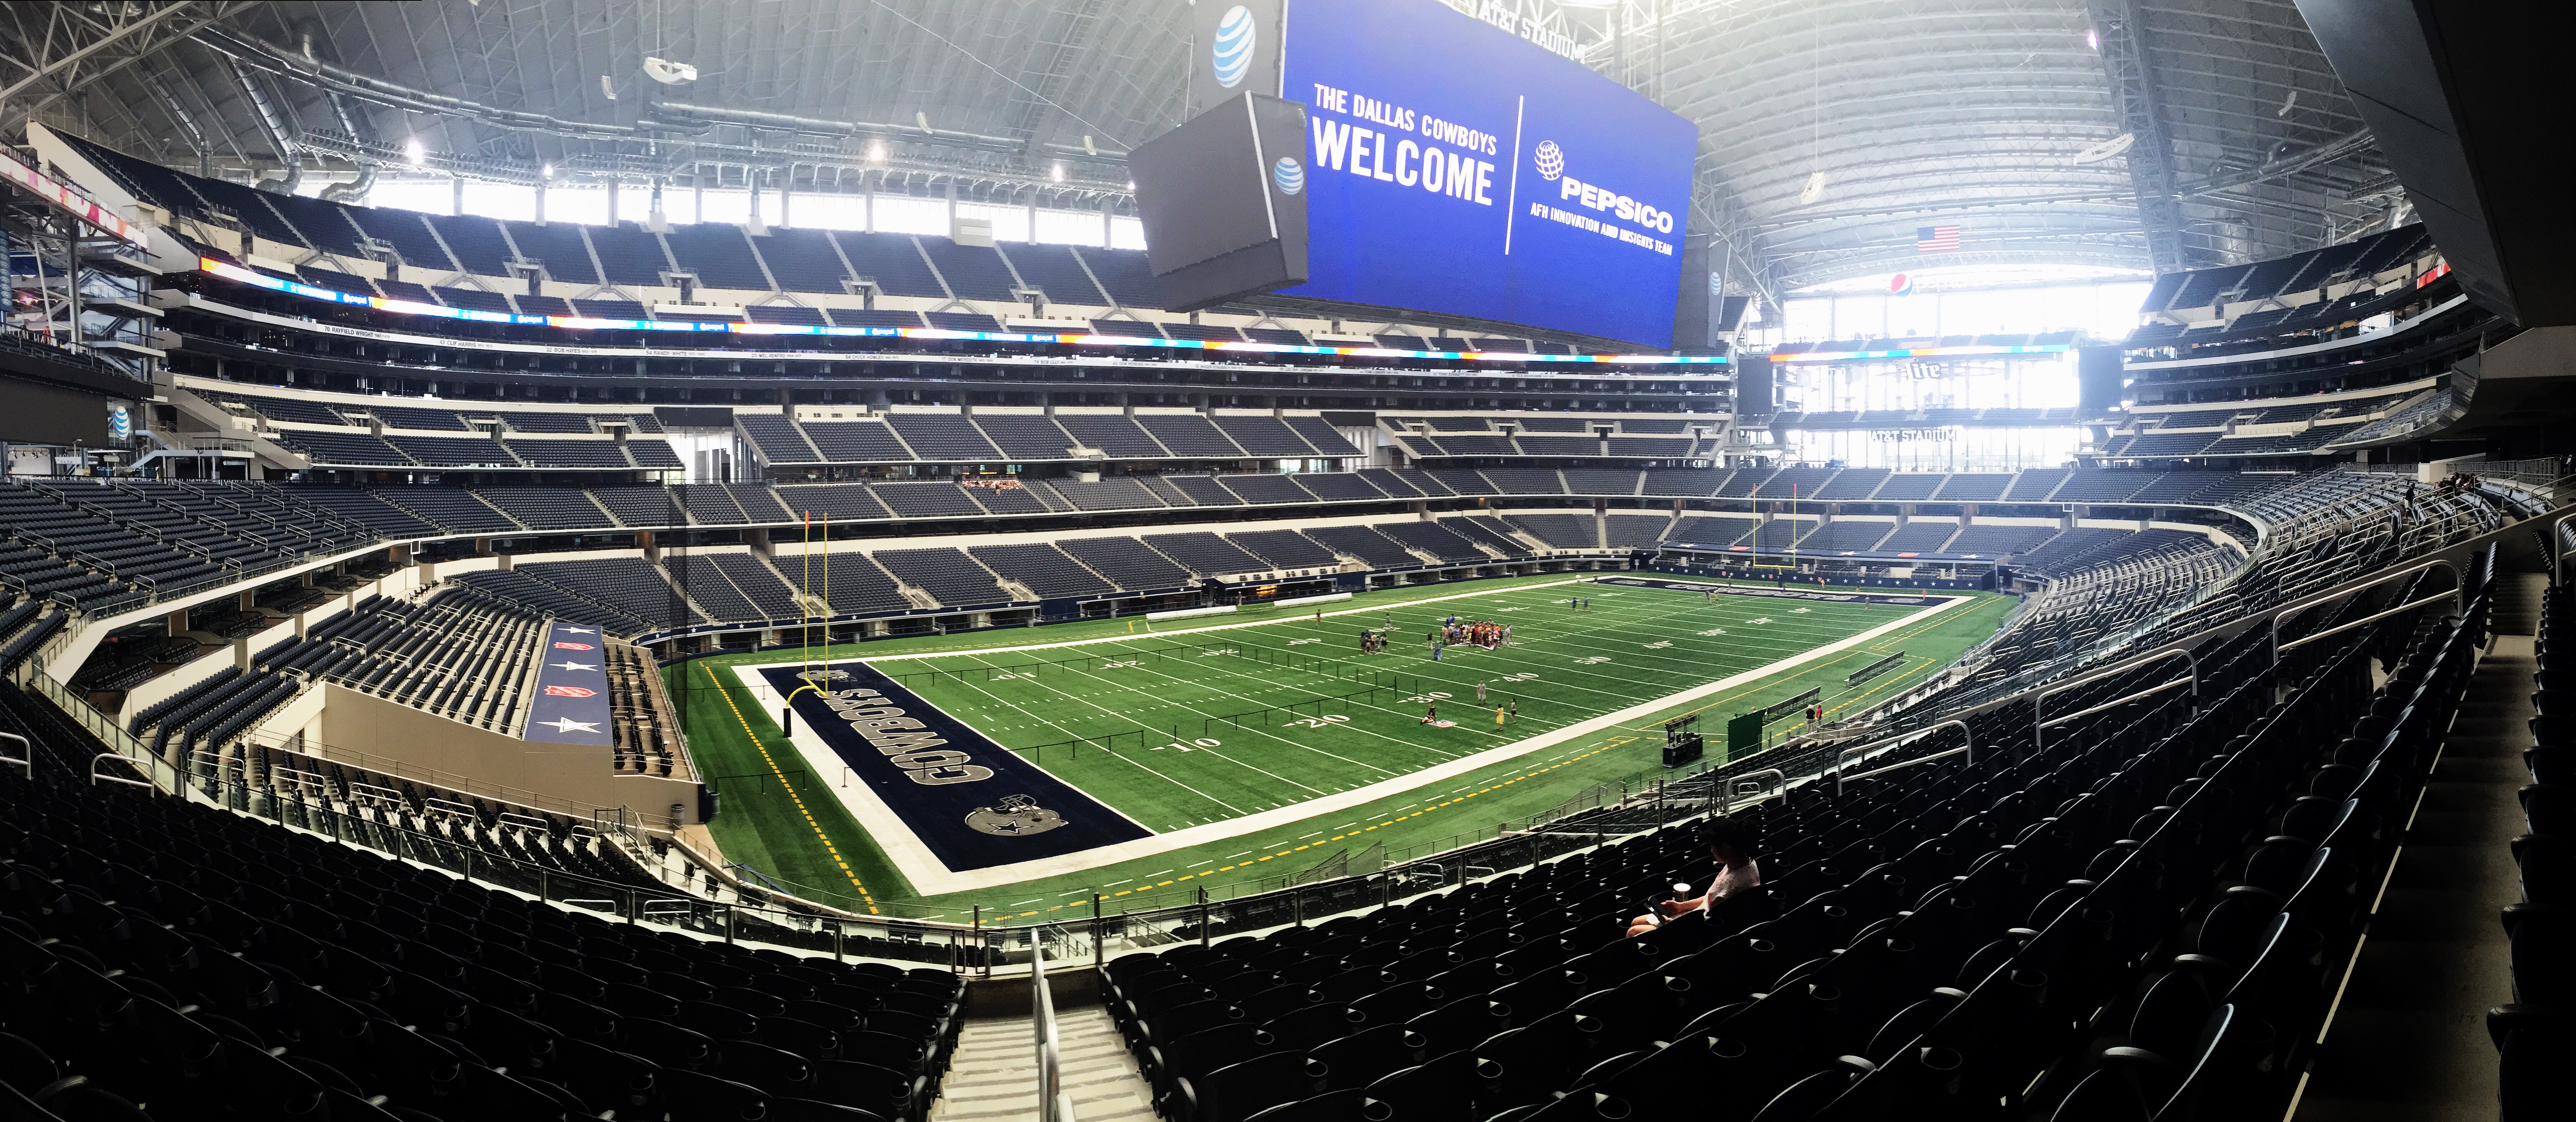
column 1731, row 843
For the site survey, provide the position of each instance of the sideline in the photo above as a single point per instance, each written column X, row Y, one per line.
column 929, row 877
column 1289, row 617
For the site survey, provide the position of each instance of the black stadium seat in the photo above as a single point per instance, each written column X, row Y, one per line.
column 398, row 990
column 1893, row 959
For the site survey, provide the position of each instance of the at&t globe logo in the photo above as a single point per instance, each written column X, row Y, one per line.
column 1234, row 40
column 1289, row 175
column 1550, row 159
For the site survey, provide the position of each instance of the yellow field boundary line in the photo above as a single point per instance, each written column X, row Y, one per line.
column 790, row 788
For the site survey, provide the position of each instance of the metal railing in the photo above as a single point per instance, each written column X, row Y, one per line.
column 1055, row 1104
column 96, row 776
column 2456, row 593
column 26, row 758
column 958, row 947
column 1732, row 785
column 2039, row 702
column 163, row 775
column 1844, row 758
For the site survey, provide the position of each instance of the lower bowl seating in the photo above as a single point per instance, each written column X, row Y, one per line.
column 170, row 960
column 2139, row 917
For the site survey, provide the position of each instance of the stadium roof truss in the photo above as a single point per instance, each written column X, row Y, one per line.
column 1997, row 116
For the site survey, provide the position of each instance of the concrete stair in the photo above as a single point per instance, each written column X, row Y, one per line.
column 2408, row 1040
column 994, row 1078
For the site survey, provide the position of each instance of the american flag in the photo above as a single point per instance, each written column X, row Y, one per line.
column 1935, row 239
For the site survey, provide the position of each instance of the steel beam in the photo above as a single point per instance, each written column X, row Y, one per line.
column 2130, row 69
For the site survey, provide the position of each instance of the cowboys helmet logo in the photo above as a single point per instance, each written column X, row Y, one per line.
column 823, row 675
column 1014, row 816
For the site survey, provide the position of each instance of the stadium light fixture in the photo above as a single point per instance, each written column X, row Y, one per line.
column 877, row 152
column 669, row 73
column 2093, row 38
column 415, row 152
column 1055, row 172
column 546, row 171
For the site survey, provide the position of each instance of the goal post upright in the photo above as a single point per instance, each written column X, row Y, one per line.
column 806, row 666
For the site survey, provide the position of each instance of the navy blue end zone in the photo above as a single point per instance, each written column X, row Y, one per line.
column 1782, row 593
column 972, row 802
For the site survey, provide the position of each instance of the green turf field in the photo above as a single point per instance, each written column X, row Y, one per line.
column 1197, row 722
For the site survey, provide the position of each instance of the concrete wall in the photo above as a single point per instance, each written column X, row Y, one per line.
column 362, row 730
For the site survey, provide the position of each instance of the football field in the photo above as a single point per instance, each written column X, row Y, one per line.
column 1194, row 749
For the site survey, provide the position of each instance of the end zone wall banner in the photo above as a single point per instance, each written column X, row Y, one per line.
column 571, row 705
column 972, row 802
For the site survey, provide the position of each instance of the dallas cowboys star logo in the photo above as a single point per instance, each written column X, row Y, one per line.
column 569, row 665
column 578, row 631
column 560, row 724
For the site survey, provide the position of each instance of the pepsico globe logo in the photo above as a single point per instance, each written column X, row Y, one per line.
column 1550, row 159
column 1900, row 285
column 1289, row 175
column 1234, row 40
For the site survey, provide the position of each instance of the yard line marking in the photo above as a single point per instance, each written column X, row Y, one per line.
column 1205, row 715
column 935, row 881
column 1269, row 683
column 1140, row 766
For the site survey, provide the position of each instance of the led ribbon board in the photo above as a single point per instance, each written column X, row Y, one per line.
column 62, row 195
column 1920, row 352
column 233, row 272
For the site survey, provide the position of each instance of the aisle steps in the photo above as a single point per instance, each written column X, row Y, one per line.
column 994, row 1075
